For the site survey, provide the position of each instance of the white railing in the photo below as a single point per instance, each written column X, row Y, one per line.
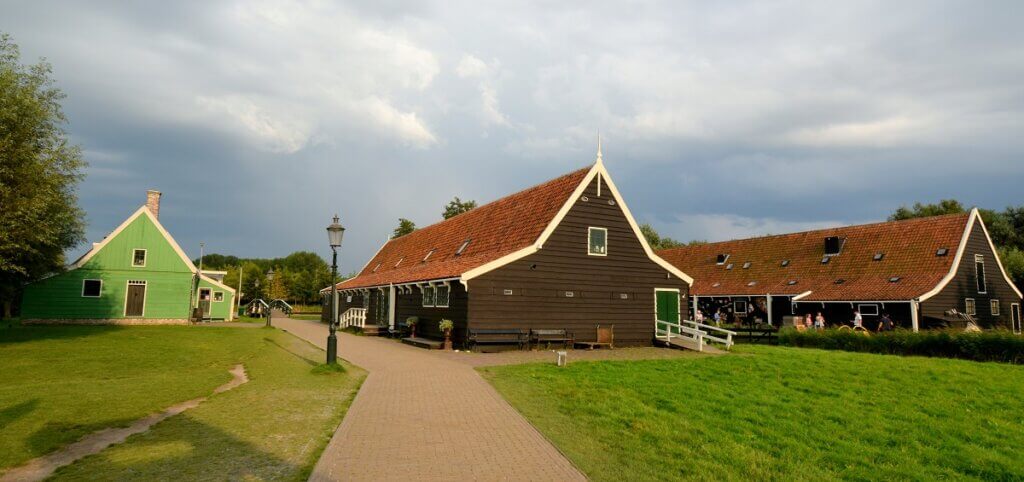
column 666, row 330
column 727, row 341
column 353, row 317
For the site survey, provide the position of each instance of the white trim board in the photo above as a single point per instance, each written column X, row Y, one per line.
column 96, row 247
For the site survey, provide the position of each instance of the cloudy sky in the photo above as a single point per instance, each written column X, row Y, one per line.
column 260, row 120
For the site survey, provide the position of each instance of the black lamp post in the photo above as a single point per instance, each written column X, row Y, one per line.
column 334, row 233
column 270, row 285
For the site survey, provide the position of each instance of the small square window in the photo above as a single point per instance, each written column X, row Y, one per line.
column 91, row 288
column 570, row 294
column 218, row 296
column 969, row 306
column 507, row 292
column 878, row 256
column 597, row 241
column 993, row 305
column 348, row 299
column 139, row 258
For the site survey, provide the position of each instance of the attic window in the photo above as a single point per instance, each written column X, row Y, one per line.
column 425, row 258
column 784, row 263
column 139, row 258
column 746, row 265
column 825, row 260
column 878, row 256
column 458, row 252
column 722, row 258
column 942, row 252
column 791, row 282
column 840, row 281
column 400, row 261
column 894, row 279
column 833, row 245
column 728, row 266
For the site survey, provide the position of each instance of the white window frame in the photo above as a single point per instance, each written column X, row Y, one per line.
column 724, row 260
column 746, row 306
column 215, row 294
column 89, row 296
column 979, row 279
column 145, row 257
column 145, row 294
column 424, row 296
column 400, row 261
column 429, row 253
column 970, row 306
column 462, row 247
column 447, row 298
column 590, row 231
column 993, row 307
column 873, row 306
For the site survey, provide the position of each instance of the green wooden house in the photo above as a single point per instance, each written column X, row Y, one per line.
column 137, row 275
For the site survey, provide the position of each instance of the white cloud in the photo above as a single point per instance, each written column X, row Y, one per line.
column 275, row 131
column 405, row 125
column 470, row 67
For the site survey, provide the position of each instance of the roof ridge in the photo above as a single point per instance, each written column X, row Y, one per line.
column 811, row 231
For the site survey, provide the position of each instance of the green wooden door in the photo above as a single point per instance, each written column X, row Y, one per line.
column 666, row 305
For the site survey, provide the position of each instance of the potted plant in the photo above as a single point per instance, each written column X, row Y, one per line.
column 411, row 323
column 446, row 328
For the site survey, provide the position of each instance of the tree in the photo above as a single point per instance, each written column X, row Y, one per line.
column 945, row 206
column 656, row 241
column 404, row 227
column 457, row 206
column 39, row 171
column 1013, row 261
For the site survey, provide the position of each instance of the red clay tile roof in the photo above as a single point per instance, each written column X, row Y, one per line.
column 494, row 230
column 908, row 246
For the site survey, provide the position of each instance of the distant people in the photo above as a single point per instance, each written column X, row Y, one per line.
column 807, row 321
column 699, row 316
column 885, row 323
column 718, row 317
column 819, row 320
column 858, row 321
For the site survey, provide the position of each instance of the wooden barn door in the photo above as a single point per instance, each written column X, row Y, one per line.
column 666, row 305
column 135, row 300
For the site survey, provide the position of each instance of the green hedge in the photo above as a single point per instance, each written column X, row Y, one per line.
column 998, row 345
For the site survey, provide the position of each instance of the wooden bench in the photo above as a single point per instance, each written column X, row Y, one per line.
column 548, row 337
column 497, row 337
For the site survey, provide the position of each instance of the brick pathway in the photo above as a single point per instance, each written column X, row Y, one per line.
column 419, row 416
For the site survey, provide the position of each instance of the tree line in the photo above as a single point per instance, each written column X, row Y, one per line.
column 454, row 208
column 298, row 277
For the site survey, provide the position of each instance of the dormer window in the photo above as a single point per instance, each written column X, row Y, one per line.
column 458, row 252
column 746, row 265
column 139, row 258
column 878, row 256
column 425, row 258
column 597, row 241
column 721, row 259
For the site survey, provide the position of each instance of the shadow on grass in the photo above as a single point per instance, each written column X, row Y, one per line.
column 24, row 333
column 9, row 415
column 296, row 355
column 54, row 435
column 182, row 448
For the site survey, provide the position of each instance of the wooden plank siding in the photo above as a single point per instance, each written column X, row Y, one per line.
column 964, row 285
column 412, row 305
column 539, row 282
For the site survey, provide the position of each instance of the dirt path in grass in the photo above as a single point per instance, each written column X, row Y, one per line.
column 43, row 467
column 419, row 416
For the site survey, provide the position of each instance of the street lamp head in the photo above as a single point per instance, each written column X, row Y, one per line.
column 270, row 274
column 335, row 232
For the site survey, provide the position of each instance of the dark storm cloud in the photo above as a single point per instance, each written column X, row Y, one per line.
column 260, row 120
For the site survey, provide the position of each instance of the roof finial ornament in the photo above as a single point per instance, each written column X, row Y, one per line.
column 599, row 160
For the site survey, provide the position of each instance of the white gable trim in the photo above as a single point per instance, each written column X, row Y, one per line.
column 139, row 212
column 597, row 170
column 217, row 283
column 956, row 259
column 995, row 254
column 801, row 296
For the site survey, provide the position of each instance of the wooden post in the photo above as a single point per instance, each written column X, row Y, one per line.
column 913, row 315
column 768, row 303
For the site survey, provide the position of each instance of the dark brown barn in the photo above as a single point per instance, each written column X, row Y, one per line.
column 915, row 270
column 565, row 254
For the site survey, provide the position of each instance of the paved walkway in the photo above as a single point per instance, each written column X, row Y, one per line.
column 419, row 416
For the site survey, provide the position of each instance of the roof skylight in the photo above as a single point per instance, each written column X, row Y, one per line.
column 746, row 265
column 784, row 263
column 462, row 248
column 425, row 258
column 721, row 259
column 878, row 256
column 942, row 252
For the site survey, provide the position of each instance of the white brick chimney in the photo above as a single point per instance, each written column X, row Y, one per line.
column 153, row 202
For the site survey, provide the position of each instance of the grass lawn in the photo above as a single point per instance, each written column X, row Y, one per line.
column 778, row 413
column 60, row 383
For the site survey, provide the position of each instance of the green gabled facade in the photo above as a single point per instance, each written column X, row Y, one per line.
column 137, row 274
